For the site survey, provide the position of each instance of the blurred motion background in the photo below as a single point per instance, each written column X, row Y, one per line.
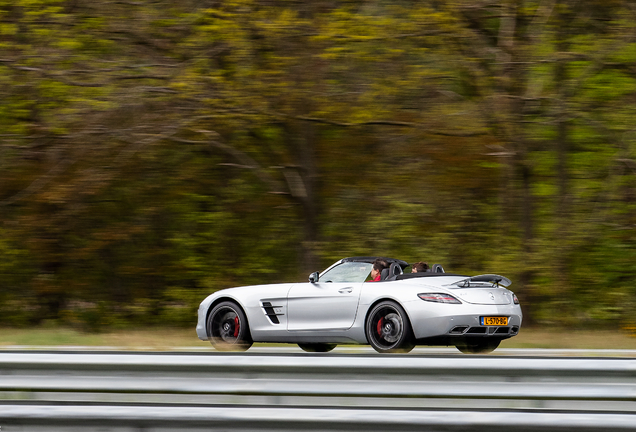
column 152, row 152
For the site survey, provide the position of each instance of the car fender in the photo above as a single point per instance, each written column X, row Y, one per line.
column 248, row 298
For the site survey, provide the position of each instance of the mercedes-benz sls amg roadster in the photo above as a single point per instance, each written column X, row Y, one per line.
column 340, row 306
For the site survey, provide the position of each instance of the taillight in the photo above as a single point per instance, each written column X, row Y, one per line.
column 515, row 299
column 439, row 298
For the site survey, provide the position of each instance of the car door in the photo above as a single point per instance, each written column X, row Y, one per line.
column 329, row 304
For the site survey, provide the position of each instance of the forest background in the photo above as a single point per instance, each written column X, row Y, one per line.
column 152, row 152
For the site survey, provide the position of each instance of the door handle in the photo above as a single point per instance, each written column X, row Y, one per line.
column 345, row 290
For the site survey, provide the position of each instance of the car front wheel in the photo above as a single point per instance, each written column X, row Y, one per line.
column 228, row 329
column 388, row 328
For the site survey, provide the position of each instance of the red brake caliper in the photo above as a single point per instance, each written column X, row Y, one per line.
column 380, row 326
column 237, row 326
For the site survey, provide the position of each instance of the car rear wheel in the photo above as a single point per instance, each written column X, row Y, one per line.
column 388, row 328
column 228, row 329
column 478, row 347
column 316, row 347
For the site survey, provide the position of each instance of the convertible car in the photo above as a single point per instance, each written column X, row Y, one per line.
column 340, row 306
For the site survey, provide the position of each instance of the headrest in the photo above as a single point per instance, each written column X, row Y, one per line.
column 384, row 274
column 437, row 268
column 395, row 270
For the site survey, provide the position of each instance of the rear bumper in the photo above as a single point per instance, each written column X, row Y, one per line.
column 461, row 321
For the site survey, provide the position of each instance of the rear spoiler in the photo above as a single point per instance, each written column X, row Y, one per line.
column 486, row 278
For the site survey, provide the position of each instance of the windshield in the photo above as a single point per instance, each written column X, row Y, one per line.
column 347, row 272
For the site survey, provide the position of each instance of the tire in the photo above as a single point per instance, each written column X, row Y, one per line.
column 316, row 347
column 228, row 329
column 388, row 329
column 478, row 346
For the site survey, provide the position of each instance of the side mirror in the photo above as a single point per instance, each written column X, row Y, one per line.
column 313, row 278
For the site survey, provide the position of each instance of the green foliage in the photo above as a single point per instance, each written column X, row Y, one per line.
column 152, row 153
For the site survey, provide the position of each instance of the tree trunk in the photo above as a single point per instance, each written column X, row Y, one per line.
column 302, row 182
column 562, row 145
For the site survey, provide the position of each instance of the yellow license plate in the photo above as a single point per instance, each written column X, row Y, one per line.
column 494, row 321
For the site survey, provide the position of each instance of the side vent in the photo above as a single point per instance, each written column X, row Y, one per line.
column 270, row 312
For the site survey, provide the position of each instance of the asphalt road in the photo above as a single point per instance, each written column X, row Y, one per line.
column 342, row 349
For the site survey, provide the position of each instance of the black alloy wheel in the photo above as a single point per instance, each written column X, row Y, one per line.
column 388, row 328
column 483, row 346
column 228, row 329
column 316, row 347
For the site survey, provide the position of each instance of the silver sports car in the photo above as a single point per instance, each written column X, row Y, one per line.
column 337, row 306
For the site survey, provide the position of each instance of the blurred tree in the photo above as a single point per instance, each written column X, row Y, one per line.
column 154, row 152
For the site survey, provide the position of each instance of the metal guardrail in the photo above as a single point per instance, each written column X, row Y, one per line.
column 146, row 418
column 230, row 392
